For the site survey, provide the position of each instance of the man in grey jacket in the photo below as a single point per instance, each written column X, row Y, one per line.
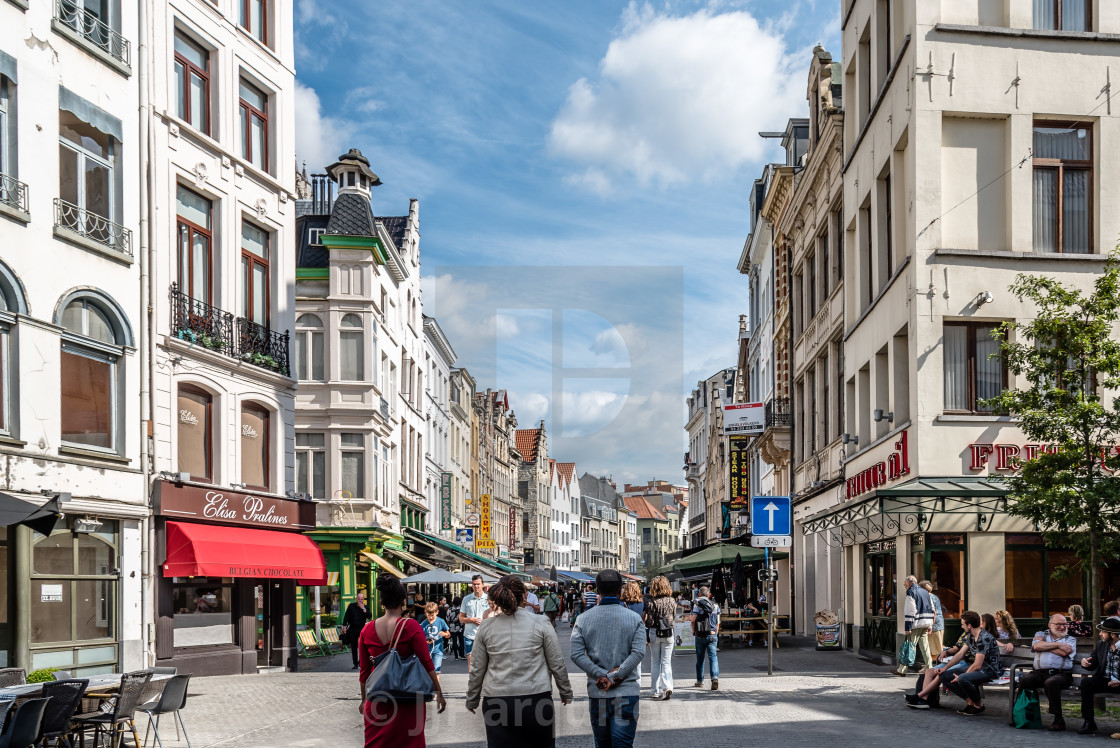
column 608, row 643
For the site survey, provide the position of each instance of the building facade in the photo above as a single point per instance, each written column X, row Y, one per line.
column 439, row 357
column 536, row 499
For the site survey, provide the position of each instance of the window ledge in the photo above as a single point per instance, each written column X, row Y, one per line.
column 1056, row 256
column 1081, row 36
column 21, row 4
column 61, row 232
column 11, row 441
column 93, row 454
column 15, row 213
column 970, row 418
column 93, row 49
column 228, row 364
column 262, row 46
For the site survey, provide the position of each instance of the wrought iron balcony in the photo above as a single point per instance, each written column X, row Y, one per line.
column 13, row 193
column 200, row 324
column 777, row 412
column 262, row 347
column 90, row 225
column 91, row 28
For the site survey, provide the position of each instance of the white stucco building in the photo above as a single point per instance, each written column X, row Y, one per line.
column 439, row 357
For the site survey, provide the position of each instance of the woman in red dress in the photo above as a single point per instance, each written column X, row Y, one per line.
column 394, row 724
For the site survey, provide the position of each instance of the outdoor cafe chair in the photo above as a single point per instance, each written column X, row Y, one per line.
column 65, row 697
column 23, row 728
column 173, row 699
column 12, row 676
column 330, row 638
column 122, row 718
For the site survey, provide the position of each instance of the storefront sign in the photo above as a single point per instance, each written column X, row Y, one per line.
column 231, row 507
column 50, row 593
column 512, row 529
column 1007, row 456
column 464, row 536
column 739, row 487
column 744, row 418
column 484, row 538
column 894, row 467
column 881, row 546
column 725, row 520
column 445, row 501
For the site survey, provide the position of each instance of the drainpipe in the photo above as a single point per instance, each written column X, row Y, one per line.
column 792, row 421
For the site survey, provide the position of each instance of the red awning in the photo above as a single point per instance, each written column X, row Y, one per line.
column 215, row 551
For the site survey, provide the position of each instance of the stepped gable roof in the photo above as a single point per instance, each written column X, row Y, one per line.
column 526, row 442
column 397, row 228
column 551, row 469
column 567, row 469
column 643, row 508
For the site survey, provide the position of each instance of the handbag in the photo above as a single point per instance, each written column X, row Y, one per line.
column 1027, row 713
column 394, row 678
column 907, row 653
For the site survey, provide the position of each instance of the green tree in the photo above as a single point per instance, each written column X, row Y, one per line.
column 1068, row 360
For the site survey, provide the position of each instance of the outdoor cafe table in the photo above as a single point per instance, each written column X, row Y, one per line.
column 108, row 681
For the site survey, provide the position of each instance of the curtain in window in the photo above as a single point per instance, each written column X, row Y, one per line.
column 1075, row 210
column 194, row 434
column 350, row 355
column 1065, row 143
column 1075, row 16
column 87, row 400
column 989, row 371
column 956, row 368
column 1045, row 210
column 254, row 448
column 1045, row 16
column 353, row 473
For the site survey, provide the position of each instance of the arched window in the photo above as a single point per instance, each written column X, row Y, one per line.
column 351, row 358
column 94, row 334
column 12, row 302
column 255, row 447
column 309, row 347
column 195, row 427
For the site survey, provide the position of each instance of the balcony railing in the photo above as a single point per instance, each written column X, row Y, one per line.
column 94, row 30
column 261, row 346
column 200, row 324
column 777, row 412
column 13, row 193
column 90, row 225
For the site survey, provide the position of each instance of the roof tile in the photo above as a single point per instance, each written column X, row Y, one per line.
column 527, row 441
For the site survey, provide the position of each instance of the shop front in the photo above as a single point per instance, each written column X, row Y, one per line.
column 226, row 597
column 353, row 557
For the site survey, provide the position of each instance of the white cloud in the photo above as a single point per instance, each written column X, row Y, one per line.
column 678, row 98
column 319, row 139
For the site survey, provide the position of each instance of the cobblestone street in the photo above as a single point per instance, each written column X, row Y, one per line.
column 815, row 698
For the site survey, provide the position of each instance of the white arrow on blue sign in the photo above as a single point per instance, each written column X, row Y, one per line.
column 771, row 515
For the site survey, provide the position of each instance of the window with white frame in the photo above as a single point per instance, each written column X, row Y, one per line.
column 87, row 171
column 92, row 346
column 311, row 464
column 350, row 349
column 353, row 458
column 253, row 107
column 309, row 348
column 256, row 438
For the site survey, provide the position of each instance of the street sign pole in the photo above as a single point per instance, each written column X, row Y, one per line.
column 770, row 615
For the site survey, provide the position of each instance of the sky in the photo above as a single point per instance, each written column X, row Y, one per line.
column 583, row 171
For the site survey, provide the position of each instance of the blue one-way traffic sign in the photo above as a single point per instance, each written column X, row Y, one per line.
column 771, row 515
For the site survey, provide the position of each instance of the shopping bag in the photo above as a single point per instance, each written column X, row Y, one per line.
column 906, row 654
column 1027, row 713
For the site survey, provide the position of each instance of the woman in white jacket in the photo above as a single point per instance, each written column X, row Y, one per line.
column 514, row 655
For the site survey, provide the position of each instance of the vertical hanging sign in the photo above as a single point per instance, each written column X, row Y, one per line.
column 484, row 541
column 445, row 501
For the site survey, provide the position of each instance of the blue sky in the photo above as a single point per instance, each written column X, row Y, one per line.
column 583, row 170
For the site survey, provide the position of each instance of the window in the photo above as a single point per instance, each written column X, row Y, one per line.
column 6, row 130
column 970, row 375
column 88, row 370
column 353, row 456
column 255, row 438
column 86, row 175
column 645, row 535
column 254, row 274
column 350, row 350
column 192, row 83
column 254, row 18
column 309, row 347
column 1064, row 15
column 254, row 126
column 195, row 450
column 195, row 240
column 1063, row 179
column 311, row 464
column 1033, row 589
column 202, row 611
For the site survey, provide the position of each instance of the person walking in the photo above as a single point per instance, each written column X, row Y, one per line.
column 659, row 615
column 515, row 655
column 933, row 638
column 436, row 632
column 631, row 597
column 551, row 606
column 1105, row 664
column 455, row 626
column 608, row 642
column 353, row 621
column 590, row 598
column 1053, row 666
column 394, row 723
column 471, row 612
column 918, row 611
column 705, row 630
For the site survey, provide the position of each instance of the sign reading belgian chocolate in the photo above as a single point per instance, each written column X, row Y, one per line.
column 216, row 505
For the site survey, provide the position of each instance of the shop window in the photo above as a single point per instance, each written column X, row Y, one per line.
column 194, row 213
column 202, row 611
column 971, row 374
column 351, row 354
column 90, row 389
column 254, row 274
column 309, row 348
column 1063, row 15
column 353, row 457
column 311, row 464
column 254, row 125
column 255, row 440
column 1063, row 184
column 192, row 82
column 195, row 448
column 1041, row 581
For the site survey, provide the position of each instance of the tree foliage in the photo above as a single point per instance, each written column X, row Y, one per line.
column 1067, row 360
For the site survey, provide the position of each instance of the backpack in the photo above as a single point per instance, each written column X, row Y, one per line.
column 704, row 618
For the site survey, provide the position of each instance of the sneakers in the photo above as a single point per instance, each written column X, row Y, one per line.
column 668, row 695
column 971, row 711
column 916, row 702
column 715, row 684
column 699, row 684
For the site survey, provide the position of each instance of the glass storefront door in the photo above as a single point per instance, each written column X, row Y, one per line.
column 260, row 615
column 941, row 558
column 880, row 582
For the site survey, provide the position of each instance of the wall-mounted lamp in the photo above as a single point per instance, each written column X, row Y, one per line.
column 87, row 525
column 883, row 416
column 175, row 477
column 985, row 297
column 849, row 439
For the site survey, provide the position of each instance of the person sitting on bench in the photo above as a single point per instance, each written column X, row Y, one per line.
column 985, row 665
column 1105, row 664
column 1053, row 666
column 927, row 691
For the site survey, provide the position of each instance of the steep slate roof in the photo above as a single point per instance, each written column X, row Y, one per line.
column 310, row 255
column 567, row 469
column 397, row 227
column 643, row 508
column 351, row 216
column 526, row 442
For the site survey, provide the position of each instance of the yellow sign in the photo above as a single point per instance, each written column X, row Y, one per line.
column 487, row 544
column 484, row 538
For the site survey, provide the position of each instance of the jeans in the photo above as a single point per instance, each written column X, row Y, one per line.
column 614, row 721
column 706, row 649
column 965, row 687
column 922, row 659
column 457, row 644
column 661, row 675
column 437, row 655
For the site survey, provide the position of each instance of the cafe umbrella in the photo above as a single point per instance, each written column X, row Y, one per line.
column 41, row 519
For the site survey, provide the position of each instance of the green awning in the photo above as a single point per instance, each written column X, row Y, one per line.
column 723, row 554
column 954, row 495
column 446, row 545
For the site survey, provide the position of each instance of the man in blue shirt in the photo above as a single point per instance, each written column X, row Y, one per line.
column 472, row 610
column 589, row 598
column 705, row 629
column 1053, row 665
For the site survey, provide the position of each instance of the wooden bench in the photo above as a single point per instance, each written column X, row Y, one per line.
column 742, row 626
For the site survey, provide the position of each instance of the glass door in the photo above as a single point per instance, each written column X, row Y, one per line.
column 264, row 631
column 880, row 579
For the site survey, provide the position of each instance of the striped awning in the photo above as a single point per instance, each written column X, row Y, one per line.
column 374, row 558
